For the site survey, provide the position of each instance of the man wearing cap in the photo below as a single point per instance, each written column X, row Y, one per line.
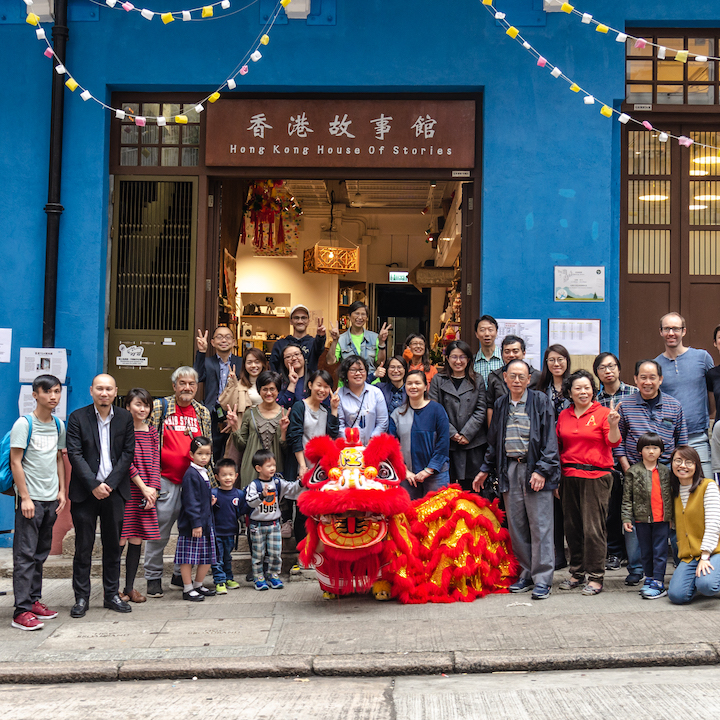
column 312, row 347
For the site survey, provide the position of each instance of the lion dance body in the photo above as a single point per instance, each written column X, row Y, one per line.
column 364, row 533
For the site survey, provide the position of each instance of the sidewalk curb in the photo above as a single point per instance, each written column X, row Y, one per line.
column 360, row 665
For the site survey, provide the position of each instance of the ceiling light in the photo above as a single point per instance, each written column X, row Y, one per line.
column 698, row 207
column 707, row 160
column 707, row 197
column 699, row 172
column 653, row 198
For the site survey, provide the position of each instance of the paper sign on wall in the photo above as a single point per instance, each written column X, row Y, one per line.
column 529, row 330
column 42, row 361
column 26, row 402
column 579, row 337
column 5, row 344
column 579, row 284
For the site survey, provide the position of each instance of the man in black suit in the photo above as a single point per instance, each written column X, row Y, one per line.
column 213, row 370
column 101, row 447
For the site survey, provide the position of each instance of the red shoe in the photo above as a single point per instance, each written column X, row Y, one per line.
column 43, row 611
column 27, row 621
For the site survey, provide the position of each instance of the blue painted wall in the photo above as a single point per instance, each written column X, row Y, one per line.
column 550, row 163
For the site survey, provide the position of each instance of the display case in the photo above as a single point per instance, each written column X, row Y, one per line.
column 265, row 318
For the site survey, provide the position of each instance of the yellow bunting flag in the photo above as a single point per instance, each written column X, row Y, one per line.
column 487, row 2
column 602, row 28
column 181, row 119
column 167, row 17
column 215, row 96
column 207, row 11
column 265, row 39
column 512, row 31
column 682, row 56
column 567, row 8
column 606, row 110
column 71, row 83
column 32, row 19
column 284, row 3
column 575, row 87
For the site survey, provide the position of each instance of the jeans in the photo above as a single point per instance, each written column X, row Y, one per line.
column 632, row 546
column 31, row 546
column 433, row 483
column 684, row 584
column 653, row 540
column 699, row 441
column 222, row 569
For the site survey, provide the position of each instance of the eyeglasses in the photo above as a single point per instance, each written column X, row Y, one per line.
column 458, row 358
column 675, row 330
column 299, row 317
column 292, row 356
column 681, row 462
column 356, row 371
column 556, row 361
column 609, row 366
column 519, row 376
column 223, row 336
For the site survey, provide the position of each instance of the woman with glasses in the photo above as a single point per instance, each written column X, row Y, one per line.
column 697, row 521
column 293, row 375
column 362, row 405
column 421, row 425
column 356, row 340
column 417, row 355
column 393, row 382
column 461, row 391
column 587, row 432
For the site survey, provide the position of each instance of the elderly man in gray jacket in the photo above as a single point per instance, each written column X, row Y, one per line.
column 523, row 452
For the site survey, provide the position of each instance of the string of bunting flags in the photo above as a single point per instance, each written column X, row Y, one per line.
column 230, row 83
column 207, row 12
column 589, row 99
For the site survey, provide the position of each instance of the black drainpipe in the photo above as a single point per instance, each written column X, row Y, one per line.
column 53, row 208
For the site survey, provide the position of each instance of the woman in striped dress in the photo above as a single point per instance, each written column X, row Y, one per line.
column 140, row 521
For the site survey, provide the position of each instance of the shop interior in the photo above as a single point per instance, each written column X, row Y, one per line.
column 394, row 244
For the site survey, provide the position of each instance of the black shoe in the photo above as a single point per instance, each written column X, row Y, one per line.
column 633, row 579
column 250, row 577
column 79, row 609
column 207, row 592
column 116, row 604
column 612, row 562
column 193, row 596
column 177, row 581
column 154, row 589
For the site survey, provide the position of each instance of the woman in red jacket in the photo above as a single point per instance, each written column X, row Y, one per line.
column 587, row 432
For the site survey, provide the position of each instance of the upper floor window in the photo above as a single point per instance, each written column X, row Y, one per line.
column 650, row 79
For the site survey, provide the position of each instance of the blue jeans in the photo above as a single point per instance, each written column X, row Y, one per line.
column 699, row 441
column 632, row 546
column 222, row 569
column 684, row 584
column 653, row 540
column 433, row 483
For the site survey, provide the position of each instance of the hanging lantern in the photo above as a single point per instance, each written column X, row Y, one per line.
column 331, row 260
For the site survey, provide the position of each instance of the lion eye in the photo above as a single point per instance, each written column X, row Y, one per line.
column 318, row 477
column 386, row 472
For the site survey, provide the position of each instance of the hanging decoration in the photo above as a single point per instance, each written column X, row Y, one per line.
column 242, row 68
column 588, row 99
column 271, row 217
column 203, row 12
column 331, row 260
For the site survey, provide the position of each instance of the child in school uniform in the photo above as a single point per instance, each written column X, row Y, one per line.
column 263, row 495
column 228, row 511
column 196, row 535
column 647, row 509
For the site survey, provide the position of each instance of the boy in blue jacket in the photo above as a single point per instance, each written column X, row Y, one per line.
column 229, row 509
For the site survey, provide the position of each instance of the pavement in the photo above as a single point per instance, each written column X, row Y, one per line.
column 294, row 632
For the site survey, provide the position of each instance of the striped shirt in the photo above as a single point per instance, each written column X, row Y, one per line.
column 517, row 430
column 485, row 366
column 711, row 506
column 604, row 398
column 636, row 418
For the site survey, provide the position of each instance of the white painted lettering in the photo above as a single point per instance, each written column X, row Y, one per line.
column 321, row 149
column 233, row 148
column 276, row 149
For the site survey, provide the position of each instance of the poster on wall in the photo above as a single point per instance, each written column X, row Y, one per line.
column 5, row 344
column 580, row 337
column 529, row 330
column 579, row 284
column 26, row 402
column 42, row 361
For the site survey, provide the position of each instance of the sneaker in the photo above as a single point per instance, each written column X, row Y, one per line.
column 232, row 585
column 177, row 581
column 207, row 592
column 261, row 585
column 570, row 583
column 27, row 621
column 633, row 579
column 154, row 588
column 521, row 585
column 647, row 583
column 193, row 596
column 220, row 589
column 276, row 583
column 541, row 592
column 286, row 529
column 612, row 562
column 296, row 569
column 654, row 590
column 250, row 577
column 42, row 611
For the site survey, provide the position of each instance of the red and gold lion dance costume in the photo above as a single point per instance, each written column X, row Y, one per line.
column 364, row 533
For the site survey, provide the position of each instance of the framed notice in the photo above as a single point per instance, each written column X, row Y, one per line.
column 579, row 284
column 579, row 337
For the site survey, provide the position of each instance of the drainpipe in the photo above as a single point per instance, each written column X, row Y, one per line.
column 54, row 209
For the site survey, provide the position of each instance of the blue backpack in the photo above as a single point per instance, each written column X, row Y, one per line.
column 6, row 476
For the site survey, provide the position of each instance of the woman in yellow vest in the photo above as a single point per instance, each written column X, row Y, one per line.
column 697, row 521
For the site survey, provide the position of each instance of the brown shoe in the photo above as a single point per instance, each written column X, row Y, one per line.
column 123, row 596
column 136, row 597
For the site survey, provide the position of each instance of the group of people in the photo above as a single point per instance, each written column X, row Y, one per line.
column 612, row 472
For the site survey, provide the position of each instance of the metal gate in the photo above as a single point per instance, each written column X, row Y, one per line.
column 152, row 293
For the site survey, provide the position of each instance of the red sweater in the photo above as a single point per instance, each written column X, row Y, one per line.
column 584, row 440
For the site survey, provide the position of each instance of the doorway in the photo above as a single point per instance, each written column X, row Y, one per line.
column 407, row 309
